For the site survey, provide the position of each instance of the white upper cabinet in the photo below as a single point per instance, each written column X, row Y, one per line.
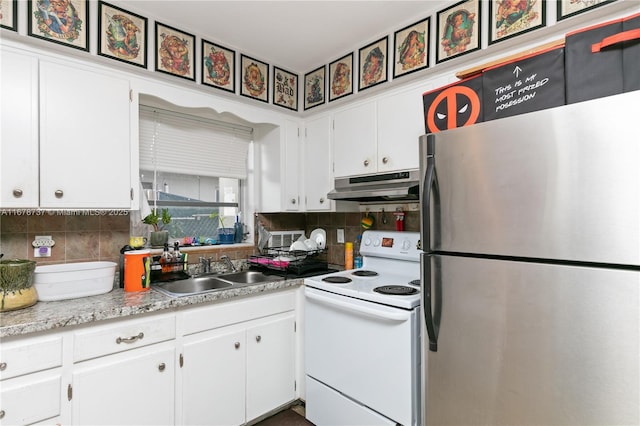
column 400, row 123
column 84, row 138
column 354, row 140
column 316, row 172
column 378, row 136
column 65, row 135
column 291, row 181
column 18, row 130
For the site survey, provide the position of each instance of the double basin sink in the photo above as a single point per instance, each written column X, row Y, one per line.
column 206, row 283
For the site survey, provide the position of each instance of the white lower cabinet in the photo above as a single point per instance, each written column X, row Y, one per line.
column 243, row 365
column 270, row 364
column 30, row 380
column 124, row 372
column 224, row 363
column 213, row 377
column 135, row 388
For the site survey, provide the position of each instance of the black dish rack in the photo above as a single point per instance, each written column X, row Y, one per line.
column 282, row 259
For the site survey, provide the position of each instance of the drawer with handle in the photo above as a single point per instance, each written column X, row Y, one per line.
column 29, row 355
column 122, row 335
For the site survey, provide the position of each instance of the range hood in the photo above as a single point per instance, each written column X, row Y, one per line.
column 396, row 186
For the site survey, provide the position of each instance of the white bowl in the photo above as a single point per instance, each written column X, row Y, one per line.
column 311, row 245
column 73, row 280
column 298, row 246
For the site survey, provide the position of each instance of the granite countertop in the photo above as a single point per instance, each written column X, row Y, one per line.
column 116, row 304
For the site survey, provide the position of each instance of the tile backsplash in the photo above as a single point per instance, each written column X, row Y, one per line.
column 80, row 238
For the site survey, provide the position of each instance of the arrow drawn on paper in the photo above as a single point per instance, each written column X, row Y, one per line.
column 517, row 70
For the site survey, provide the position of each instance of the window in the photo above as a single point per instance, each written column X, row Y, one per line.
column 194, row 166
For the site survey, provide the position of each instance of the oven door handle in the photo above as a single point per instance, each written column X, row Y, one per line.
column 351, row 307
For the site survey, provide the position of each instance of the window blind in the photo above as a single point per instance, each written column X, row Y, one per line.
column 181, row 143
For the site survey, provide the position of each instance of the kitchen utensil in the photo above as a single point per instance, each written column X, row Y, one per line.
column 16, row 284
column 263, row 237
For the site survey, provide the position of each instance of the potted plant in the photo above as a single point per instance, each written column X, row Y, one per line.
column 225, row 235
column 159, row 236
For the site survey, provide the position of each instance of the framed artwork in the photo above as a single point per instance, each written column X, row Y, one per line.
column 411, row 48
column 61, row 21
column 373, row 64
column 568, row 8
column 458, row 30
column 218, row 66
column 314, row 88
column 122, row 35
column 254, row 78
column 9, row 14
column 508, row 18
column 285, row 88
column 341, row 77
column 175, row 52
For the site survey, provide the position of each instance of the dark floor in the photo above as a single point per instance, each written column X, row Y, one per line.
column 289, row 417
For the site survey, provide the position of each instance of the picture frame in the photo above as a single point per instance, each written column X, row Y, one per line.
column 411, row 48
column 373, row 61
column 218, row 66
column 65, row 22
column 122, row 35
column 459, row 30
column 285, row 89
column 506, row 21
column 254, row 78
column 567, row 8
column 9, row 15
column 314, row 88
column 341, row 77
column 175, row 52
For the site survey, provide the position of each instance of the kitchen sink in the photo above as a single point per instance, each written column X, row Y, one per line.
column 212, row 282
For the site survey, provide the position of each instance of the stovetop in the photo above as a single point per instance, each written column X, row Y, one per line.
column 394, row 257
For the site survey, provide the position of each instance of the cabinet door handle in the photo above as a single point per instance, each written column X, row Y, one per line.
column 293, row 201
column 366, row 163
column 385, row 160
column 321, row 200
column 161, row 367
column 130, row 339
column 17, row 193
column 181, row 360
column 59, row 193
column 258, row 338
column 237, row 345
column 3, row 366
column 1, row 414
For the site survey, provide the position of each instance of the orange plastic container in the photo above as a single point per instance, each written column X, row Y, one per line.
column 137, row 271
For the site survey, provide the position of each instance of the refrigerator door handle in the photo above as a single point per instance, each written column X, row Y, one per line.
column 425, row 259
column 432, row 331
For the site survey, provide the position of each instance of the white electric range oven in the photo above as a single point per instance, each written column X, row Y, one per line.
column 362, row 337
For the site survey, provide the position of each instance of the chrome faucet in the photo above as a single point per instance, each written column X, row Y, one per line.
column 228, row 262
column 205, row 264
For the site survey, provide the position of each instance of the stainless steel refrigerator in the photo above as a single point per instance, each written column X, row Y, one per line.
column 531, row 268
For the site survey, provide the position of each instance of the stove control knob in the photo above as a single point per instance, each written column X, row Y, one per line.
column 367, row 241
column 406, row 244
column 376, row 242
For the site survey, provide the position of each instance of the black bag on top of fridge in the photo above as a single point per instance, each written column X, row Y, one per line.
column 529, row 83
column 603, row 59
column 455, row 105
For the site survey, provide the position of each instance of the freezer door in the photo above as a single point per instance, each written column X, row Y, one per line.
column 561, row 183
column 532, row 344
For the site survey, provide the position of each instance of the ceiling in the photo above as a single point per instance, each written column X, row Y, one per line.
column 298, row 36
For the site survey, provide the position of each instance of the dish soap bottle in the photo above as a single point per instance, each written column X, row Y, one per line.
column 357, row 257
column 237, row 231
